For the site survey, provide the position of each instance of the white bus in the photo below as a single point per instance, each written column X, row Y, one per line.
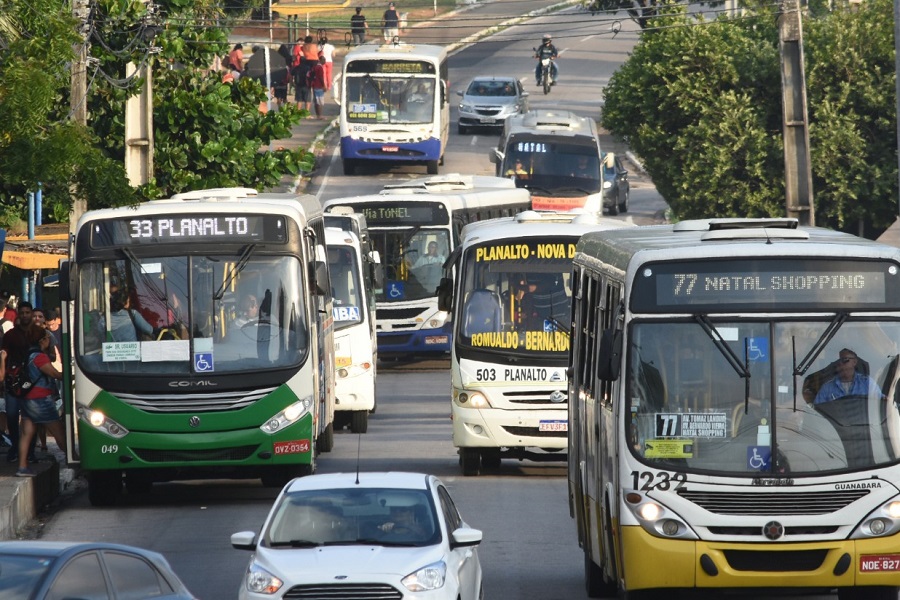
column 352, row 269
column 511, row 303
column 394, row 105
column 414, row 231
column 203, row 340
column 733, row 410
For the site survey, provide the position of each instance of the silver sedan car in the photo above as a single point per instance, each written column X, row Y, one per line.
column 487, row 101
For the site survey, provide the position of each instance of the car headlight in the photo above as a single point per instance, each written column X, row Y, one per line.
column 427, row 578
column 100, row 421
column 466, row 107
column 288, row 416
column 261, row 581
column 436, row 321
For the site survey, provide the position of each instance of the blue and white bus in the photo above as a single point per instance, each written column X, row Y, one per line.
column 394, row 105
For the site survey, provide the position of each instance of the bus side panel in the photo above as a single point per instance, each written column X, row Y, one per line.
column 429, row 149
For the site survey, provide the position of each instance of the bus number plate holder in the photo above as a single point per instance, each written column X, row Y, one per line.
column 553, row 426
column 292, row 447
column 869, row 563
column 390, row 148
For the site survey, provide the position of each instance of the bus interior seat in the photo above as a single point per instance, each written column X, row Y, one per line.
column 482, row 312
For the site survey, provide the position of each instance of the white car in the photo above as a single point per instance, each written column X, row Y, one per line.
column 367, row 535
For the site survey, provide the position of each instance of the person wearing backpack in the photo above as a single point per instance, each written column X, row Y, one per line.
column 39, row 404
column 16, row 345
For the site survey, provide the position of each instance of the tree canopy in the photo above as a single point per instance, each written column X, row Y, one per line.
column 700, row 102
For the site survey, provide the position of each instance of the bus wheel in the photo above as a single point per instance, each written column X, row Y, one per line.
column 104, row 487
column 326, row 440
column 470, row 461
column 359, row 421
column 594, row 583
column 349, row 166
column 432, row 167
column 490, row 458
column 869, row 593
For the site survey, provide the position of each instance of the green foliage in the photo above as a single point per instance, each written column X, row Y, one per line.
column 701, row 105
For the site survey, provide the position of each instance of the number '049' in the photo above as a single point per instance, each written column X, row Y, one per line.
column 109, row 449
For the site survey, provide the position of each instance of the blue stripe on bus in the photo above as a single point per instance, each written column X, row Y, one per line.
column 429, row 149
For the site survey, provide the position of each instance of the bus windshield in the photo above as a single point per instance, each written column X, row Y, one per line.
column 397, row 99
column 803, row 398
column 345, row 285
column 547, row 165
column 188, row 314
column 413, row 260
column 516, row 296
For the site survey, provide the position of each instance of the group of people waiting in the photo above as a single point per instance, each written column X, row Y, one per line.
column 32, row 340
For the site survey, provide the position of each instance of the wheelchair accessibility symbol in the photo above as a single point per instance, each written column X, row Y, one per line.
column 203, row 362
column 395, row 290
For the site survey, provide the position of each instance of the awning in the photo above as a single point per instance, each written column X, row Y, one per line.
column 301, row 8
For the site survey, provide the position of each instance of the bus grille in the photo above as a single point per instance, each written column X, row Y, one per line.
column 777, row 561
column 535, row 432
column 398, row 313
column 194, row 402
column 218, row 454
column 745, row 531
column 791, row 503
column 534, row 398
column 344, row 591
column 393, row 340
column 405, row 152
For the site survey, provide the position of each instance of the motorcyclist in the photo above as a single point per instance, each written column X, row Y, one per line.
column 547, row 49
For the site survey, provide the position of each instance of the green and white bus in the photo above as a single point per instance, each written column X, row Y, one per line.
column 203, row 340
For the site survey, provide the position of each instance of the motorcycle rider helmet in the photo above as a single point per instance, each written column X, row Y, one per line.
column 546, row 39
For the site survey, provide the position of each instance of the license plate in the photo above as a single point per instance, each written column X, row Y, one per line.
column 553, row 426
column 488, row 120
column 292, row 447
column 436, row 339
column 875, row 562
column 389, row 148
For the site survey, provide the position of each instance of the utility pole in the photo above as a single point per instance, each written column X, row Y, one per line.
column 139, row 128
column 797, row 163
column 78, row 93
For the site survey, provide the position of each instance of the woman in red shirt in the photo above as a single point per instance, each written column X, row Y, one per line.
column 39, row 405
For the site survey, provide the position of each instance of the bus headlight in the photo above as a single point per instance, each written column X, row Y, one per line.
column 436, row 320
column 469, row 399
column 883, row 521
column 288, row 416
column 99, row 421
column 656, row 519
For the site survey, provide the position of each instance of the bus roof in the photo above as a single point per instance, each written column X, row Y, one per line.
column 457, row 200
column 551, row 121
column 719, row 238
column 451, row 182
column 397, row 51
column 532, row 223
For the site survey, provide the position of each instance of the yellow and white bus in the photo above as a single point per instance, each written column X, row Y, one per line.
column 352, row 266
column 511, row 307
column 733, row 410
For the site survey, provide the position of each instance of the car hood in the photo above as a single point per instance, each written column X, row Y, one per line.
column 353, row 563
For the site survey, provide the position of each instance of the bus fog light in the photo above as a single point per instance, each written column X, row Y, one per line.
column 877, row 526
column 462, row 398
column 478, row 429
column 650, row 511
column 670, row 527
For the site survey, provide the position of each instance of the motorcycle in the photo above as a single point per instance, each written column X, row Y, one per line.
column 546, row 72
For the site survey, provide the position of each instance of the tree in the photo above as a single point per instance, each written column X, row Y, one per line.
column 701, row 105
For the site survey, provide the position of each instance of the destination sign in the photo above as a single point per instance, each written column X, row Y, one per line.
column 399, row 213
column 400, row 67
column 767, row 284
column 168, row 229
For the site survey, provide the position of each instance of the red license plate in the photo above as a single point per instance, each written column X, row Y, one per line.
column 869, row 563
column 292, row 447
column 389, row 148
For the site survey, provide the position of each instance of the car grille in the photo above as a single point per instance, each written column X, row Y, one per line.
column 488, row 111
column 798, row 503
column 344, row 591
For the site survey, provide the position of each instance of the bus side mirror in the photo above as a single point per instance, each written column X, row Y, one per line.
column 445, row 294
column 496, row 157
column 67, row 280
column 321, row 276
column 609, row 355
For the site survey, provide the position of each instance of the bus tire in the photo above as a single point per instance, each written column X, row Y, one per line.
column 490, row 458
column 326, row 440
column 470, row 461
column 868, row 593
column 349, row 166
column 431, row 167
column 104, row 487
column 359, row 421
column 594, row 583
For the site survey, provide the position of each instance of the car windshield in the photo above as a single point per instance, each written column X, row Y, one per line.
column 782, row 399
column 491, row 88
column 185, row 314
column 354, row 516
column 20, row 575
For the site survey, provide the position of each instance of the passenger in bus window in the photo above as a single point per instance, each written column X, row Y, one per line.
column 125, row 323
column 848, row 380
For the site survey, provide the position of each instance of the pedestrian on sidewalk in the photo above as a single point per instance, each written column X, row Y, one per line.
column 302, row 92
column 236, row 61
column 358, row 27
column 310, row 49
column 317, row 83
column 16, row 345
column 327, row 50
column 390, row 23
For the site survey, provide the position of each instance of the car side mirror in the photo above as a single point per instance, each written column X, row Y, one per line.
column 460, row 93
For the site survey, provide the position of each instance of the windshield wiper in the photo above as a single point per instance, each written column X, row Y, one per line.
column 296, row 544
column 536, row 188
column 732, row 358
column 238, row 267
column 803, row 366
column 376, row 542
